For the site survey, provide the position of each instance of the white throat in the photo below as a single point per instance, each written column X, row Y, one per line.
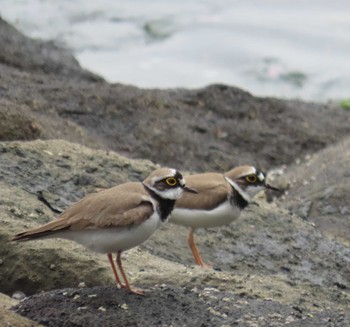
column 171, row 194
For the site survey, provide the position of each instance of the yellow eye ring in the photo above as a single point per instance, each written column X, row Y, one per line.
column 251, row 178
column 171, row 181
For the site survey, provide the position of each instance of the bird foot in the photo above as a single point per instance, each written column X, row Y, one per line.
column 120, row 285
column 136, row 291
column 206, row 266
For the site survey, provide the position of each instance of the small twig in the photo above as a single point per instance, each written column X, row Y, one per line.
column 47, row 203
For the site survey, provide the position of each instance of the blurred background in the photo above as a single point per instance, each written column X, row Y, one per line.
column 283, row 48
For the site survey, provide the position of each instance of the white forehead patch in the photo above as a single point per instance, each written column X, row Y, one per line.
column 182, row 181
column 261, row 177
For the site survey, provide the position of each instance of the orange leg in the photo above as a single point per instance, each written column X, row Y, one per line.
column 110, row 258
column 127, row 285
column 197, row 258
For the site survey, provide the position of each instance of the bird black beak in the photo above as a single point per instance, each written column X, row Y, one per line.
column 190, row 190
column 268, row 186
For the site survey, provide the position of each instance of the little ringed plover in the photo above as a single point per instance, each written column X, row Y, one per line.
column 220, row 200
column 117, row 219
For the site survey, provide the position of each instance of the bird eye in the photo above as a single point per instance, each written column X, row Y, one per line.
column 171, row 181
column 251, row 178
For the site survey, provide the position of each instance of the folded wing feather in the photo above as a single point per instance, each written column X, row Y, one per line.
column 113, row 207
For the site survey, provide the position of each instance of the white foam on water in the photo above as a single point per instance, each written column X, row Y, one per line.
column 284, row 48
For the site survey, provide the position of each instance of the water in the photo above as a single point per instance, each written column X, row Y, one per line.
column 283, row 48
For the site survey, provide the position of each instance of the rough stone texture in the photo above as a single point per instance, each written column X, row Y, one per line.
column 270, row 267
column 35, row 177
column 286, row 262
column 24, row 54
column 172, row 306
column 319, row 190
column 214, row 128
column 10, row 318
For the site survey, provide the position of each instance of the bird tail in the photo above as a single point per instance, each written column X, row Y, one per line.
column 40, row 232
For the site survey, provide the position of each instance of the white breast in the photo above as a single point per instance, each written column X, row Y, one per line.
column 222, row 215
column 112, row 240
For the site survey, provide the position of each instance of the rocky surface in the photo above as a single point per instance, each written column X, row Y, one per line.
column 38, row 180
column 44, row 94
column 10, row 318
column 319, row 190
column 284, row 262
column 270, row 267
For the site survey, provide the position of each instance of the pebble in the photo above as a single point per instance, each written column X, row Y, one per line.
column 18, row 295
column 289, row 319
column 124, row 306
column 102, row 309
column 276, row 316
column 215, row 312
column 210, row 289
column 343, row 211
column 226, row 299
column 82, row 308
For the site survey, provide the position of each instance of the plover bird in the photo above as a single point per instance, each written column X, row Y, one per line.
column 220, row 200
column 117, row 219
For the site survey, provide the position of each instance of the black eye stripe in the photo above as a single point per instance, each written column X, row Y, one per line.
column 178, row 176
column 164, row 183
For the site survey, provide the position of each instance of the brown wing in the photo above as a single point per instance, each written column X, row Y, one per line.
column 212, row 190
column 123, row 205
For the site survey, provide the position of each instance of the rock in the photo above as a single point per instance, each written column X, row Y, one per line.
column 28, row 172
column 269, row 260
column 10, row 318
column 45, row 94
column 327, row 190
column 171, row 306
column 283, row 262
column 25, row 54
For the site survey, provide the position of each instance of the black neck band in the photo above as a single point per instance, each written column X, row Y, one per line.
column 238, row 199
column 164, row 207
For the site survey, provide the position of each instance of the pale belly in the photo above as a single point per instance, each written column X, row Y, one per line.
column 222, row 215
column 112, row 240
